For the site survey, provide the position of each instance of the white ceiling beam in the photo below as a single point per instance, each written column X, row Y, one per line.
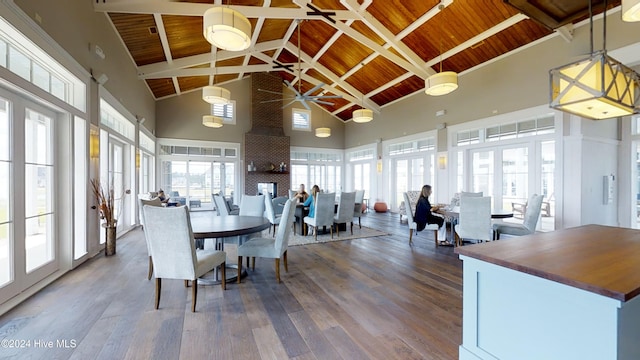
column 196, row 9
column 566, row 32
column 422, row 19
column 478, row 38
column 200, row 59
column 220, row 70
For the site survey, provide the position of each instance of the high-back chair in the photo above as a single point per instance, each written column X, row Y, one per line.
column 344, row 214
column 357, row 210
column 414, row 225
column 252, row 205
column 222, row 206
column 470, row 194
column 474, row 220
column 531, row 216
column 324, row 212
column 270, row 247
column 174, row 252
column 141, row 203
column 272, row 214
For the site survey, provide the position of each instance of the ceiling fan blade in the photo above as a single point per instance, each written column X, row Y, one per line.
column 289, row 103
column 291, row 87
column 305, row 104
column 314, row 89
column 323, row 102
column 325, row 97
column 270, row 92
column 268, row 101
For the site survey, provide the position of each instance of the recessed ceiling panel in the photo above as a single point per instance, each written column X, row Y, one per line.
column 344, row 54
column 140, row 35
column 375, row 74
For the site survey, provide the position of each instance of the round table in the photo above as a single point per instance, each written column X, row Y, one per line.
column 206, row 225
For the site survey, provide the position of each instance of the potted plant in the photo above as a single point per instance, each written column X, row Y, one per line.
column 106, row 209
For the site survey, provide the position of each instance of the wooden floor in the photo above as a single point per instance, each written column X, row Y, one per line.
column 375, row 298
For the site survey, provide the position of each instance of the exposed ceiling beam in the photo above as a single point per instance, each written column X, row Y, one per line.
column 165, row 7
column 220, row 70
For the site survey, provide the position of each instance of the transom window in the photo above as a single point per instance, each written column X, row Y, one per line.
column 414, row 146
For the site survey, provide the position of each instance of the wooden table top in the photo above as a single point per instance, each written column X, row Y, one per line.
column 209, row 225
column 601, row 259
column 495, row 214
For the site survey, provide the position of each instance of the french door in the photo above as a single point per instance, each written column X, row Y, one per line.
column 410, row 174
column 28, row 245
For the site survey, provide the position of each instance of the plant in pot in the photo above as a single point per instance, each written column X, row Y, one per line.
column 106, row 209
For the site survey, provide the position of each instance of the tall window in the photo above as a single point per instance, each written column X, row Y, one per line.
column 39, row 241
column 412, row 166
column 6, row 254
column 317, row 167
column 515, row 175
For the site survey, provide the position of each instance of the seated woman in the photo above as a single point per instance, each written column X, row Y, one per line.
column 163, row 198
column 424, row 214
column 301, row 194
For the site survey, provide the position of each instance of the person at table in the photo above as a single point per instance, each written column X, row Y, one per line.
column 163, row 198
column 424, row 213
column 301, row 194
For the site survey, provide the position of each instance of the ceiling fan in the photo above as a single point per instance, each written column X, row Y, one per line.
column 303, row 98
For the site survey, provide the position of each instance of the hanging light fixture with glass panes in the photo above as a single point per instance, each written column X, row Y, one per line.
column 598, row 87
column 443, row 82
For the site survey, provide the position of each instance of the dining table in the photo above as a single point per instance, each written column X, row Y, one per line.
column 452, row 213
column 207, row 225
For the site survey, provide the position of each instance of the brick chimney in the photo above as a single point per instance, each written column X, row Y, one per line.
column 265, row 144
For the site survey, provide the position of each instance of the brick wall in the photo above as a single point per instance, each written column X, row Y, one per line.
column 266, row 144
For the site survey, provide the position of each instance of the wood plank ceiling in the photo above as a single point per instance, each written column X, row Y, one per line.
column 376, row 52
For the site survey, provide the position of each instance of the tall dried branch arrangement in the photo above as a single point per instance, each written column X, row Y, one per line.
column 106, row 203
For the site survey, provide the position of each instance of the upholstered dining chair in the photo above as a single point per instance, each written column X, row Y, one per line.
column 470, row 194
column 531, row 216
column 252, row 205
column 357, row 210
column 270, row 247
column 274, row 218
column 474, row 221
column 278, row 204
column 324, row 212
column 413, row 226
column 222, row 206
column 141, row 203
column 344, row 214
column 173, row 250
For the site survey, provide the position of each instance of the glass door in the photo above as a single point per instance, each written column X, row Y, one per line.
column 515, row 178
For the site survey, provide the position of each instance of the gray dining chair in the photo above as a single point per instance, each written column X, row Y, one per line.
column 270, row 212
column 413, row 226
column 252, row 205
column 273, row 248
column 470, row 194
column 528, row 226
column 324, row 212
column 357, row 210
column 174, row 252
column 474, row 221
column 222, row 206
column 141, row 203
column 344, row 214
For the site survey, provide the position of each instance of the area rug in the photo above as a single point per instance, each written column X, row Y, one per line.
column 358, row 233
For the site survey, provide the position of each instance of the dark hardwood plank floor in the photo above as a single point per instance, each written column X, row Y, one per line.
column 372, row 298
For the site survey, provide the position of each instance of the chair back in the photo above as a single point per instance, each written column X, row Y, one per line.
column 142, row 202
column 532, row 213
column 292, row 194
column 409, row 212
column 172, row 247
column 284, row 230
column 220, row 204
column 278, row 204
column 470, row 194
column 475, row 218
column 345, row 207
column 252, row 205
column 357, row 210
column 269, row 210
column 324, row 210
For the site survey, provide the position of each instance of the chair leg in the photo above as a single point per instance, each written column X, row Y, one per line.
column 337, row 229
column 253, row 263
column 435, row 235
column 158, row 287
column 247, row 262
column 286, row 265
column 239, row 268
column 359, row 224
column 186, row 283
column 315, row 233
column 331, row 229
column 278, row 270
column 223, row 272
column 194, row 294
column 496, row 235
column 274, row 230
column 410, row 236
column 150, row 268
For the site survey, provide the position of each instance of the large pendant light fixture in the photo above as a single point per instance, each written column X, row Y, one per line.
column 212, row 121
column 363, row 115
column 226, row 29
column 598, row 87
column 443, row 82
column 216, row 95
column 631, row 10
column 323, row 132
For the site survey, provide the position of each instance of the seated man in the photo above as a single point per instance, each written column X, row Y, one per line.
column 163, row 198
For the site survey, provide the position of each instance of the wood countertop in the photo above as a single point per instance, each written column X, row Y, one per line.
column 601, row 259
